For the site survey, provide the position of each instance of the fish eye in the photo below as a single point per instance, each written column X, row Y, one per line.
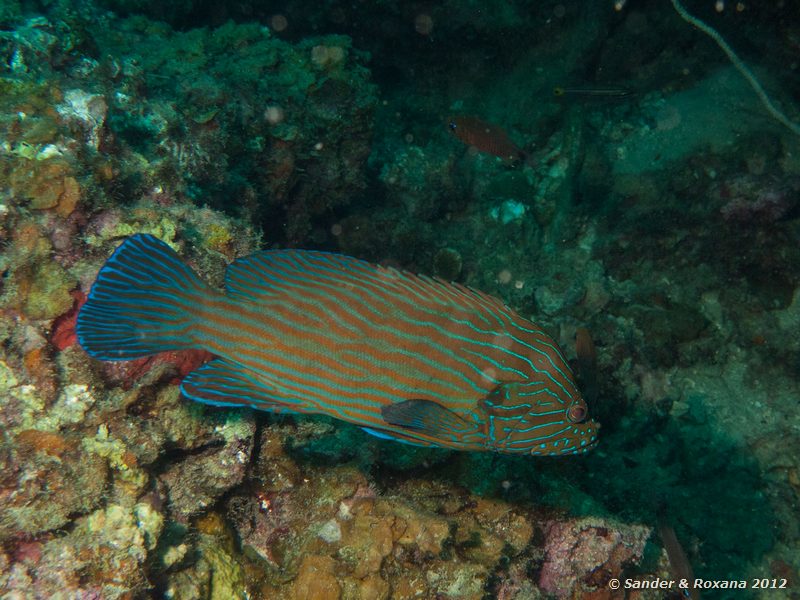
column 576, row 413
column 452, row 125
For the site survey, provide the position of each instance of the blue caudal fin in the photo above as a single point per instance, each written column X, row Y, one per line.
column 140, row 304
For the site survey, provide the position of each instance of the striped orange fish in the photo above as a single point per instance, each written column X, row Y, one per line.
column 485, row 137
column 406, row 357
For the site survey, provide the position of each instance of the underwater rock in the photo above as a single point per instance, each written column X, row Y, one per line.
column 583, row 555
column 47, row 184
column 418, row 532
column 295, row 140
column 216, row 574
column 491, row 531
column 47, row 480
column 159, row 417
column 447, row 264
column 373, row 545
column 456, row 580
column 751, row 199
column 273, row 468
column 278, row 526
column 46, row 291
column 195, row 482
column 87, row 111
column 101, row 557
column 264, row 523
column 674, row 128
column 76, row 441
column 315, row 579
column 30, row 45
column 36, row 285
column 420, row 180
column 366, row 540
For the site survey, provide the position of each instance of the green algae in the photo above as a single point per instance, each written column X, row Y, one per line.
column 10, row 11
column 48, row 295
column 149, row 522
column 15, row 90
column 56, row 485
column 74, row 401
column 164, row 229
column 216, row 574
column 118, row 525
column 118, row 456
column 8, row 380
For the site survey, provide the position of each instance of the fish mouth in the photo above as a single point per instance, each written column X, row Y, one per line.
column 591, row 428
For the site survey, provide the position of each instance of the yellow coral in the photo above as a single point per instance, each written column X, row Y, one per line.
column 118, row 456
column 46, row 184
column 219, row 238
column 142, row 221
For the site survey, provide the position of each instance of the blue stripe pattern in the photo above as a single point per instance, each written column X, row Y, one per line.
column 406, row 357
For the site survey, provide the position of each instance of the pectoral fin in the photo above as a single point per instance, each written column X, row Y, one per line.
column 426, row 416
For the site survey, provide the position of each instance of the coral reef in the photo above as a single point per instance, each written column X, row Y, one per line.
column 330, row 533
column 196, row 482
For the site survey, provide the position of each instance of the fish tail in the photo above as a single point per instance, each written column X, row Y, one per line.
column 142, row 303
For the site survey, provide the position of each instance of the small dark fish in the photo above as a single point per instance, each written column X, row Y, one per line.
column 681, row 568
column 587, row 363
column 591, row 92
column 485, row 137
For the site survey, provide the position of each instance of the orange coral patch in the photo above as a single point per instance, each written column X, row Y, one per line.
column 62, row 334
column 49, row 442
column 47, row 184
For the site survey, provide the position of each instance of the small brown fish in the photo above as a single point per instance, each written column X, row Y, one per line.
column 587, row 363
column 681, row 568
column 485, row 137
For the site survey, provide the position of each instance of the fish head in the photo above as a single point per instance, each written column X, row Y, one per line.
column 526, row 418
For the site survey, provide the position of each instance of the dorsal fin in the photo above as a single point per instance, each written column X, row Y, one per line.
column 264, row 273
column 261, row 273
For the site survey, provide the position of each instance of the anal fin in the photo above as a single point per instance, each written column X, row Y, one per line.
column 226, row 383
